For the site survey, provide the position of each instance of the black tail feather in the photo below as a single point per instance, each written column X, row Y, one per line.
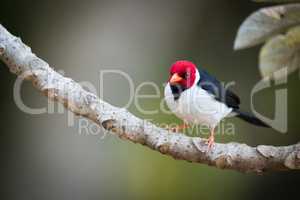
column 248, row 117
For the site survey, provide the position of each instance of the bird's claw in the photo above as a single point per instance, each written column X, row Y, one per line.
column 178, row 128
column 210, row 142
column 173, row 129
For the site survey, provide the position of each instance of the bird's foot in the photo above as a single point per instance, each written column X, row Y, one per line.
column 210, row 141
column 178, row 128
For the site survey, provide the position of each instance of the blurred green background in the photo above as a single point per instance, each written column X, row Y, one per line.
column 44, row 158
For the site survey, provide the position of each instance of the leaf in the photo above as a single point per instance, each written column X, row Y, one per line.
column 266, row 23
column 281, row 54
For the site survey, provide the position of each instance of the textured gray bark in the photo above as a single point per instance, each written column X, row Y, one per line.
column 21, row 61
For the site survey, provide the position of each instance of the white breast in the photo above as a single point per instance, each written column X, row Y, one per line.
column 196, row 105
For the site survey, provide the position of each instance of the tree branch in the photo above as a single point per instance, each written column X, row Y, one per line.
column 21, row 61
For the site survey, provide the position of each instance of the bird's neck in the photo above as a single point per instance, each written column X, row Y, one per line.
column 177, row 90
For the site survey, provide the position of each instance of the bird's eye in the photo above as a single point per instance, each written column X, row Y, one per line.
column 186, row 75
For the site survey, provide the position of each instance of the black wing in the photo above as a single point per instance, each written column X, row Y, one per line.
column 214, row 87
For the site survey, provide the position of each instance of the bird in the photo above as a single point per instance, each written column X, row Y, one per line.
column 197, row 97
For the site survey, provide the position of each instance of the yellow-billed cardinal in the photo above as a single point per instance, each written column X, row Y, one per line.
column 197, row 97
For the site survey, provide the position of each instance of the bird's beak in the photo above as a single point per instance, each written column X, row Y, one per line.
column 175, row 79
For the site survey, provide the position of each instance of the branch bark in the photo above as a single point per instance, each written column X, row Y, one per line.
column 22, row 62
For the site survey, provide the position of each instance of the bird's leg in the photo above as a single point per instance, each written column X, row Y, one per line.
column 211, row 140
column 179, row 128
column 182, row 127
